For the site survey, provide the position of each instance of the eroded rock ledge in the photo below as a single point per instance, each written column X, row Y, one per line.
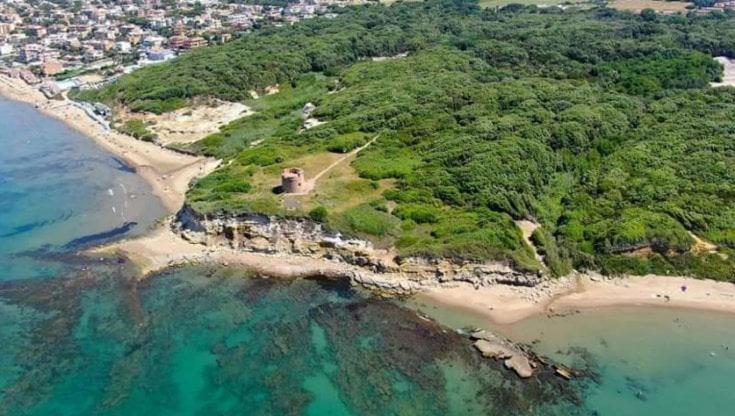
column 370, row 267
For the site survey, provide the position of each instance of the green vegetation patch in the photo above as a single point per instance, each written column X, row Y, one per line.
column 365, row 219
column 138, row 129
column 600, row 125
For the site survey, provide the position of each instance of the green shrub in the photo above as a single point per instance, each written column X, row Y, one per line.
column 319, row 214
column 421, row 214
column 365, row 219
column 138, row 129
column 556, row 259
column 346, row 142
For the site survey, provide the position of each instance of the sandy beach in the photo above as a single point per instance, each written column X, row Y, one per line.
column 169, row 173
column 499, row 304
column 507, row 304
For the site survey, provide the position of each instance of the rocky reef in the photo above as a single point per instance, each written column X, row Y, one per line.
column 360, row 263
column 370, row 267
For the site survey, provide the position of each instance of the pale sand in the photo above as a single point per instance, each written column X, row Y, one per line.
column 728, row 76
column 169, row 173
column 527, row 228
column 506, row 304
column 189, row 124
column 500, row 304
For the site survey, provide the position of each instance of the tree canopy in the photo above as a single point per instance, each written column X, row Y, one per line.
column 598, row 124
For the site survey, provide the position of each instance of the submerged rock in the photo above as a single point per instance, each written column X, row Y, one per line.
column 514, row 358
column 520, row 364
column 493, row 350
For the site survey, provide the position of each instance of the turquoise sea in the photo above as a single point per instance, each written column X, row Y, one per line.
column 644, row 360
column 81, row 335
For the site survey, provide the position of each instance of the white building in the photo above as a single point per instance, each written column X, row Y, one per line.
column 157, row 54
column 6, row 49
column 123, row 47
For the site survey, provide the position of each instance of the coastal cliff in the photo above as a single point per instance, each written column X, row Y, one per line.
column 376, row 268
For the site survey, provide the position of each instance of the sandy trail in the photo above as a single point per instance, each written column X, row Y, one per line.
column 169, row 173
column 527, row 228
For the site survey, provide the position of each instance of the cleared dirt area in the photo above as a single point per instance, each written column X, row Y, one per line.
column 657, row 5
column 728, row 77
column 190, row 124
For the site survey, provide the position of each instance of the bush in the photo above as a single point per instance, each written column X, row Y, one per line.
column 346, row 142
column 421, row 214
column 365, row 219
column 138, row 129
column 319, row 214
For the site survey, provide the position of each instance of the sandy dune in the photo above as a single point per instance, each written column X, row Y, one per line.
column 190, row 124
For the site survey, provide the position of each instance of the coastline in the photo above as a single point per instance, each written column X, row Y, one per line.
column 162, row 248
column 168, row 173
column 505, row 305
column 500, row 304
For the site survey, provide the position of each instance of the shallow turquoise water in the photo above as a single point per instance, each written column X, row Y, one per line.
column 648, row 361
column 57, row 189
column 81, row 336
column 652, row 361
column 213, row 341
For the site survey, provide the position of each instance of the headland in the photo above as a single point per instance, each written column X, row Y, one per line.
column 170, row 174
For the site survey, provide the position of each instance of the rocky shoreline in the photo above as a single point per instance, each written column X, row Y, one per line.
column 378, row 270
column 370, row 267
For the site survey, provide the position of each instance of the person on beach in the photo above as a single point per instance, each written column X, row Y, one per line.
column 683, row 288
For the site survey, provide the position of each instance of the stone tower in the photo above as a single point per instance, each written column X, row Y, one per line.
column 292, row 180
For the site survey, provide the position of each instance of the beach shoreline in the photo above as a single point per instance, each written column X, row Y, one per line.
column 169, row 173
column 500, row 304
column 506, row 305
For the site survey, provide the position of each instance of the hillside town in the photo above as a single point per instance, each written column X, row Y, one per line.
column 62, row 44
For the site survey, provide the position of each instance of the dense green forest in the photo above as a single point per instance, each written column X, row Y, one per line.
column 599, row 125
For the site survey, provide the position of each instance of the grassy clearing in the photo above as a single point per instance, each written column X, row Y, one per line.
column 138, row 129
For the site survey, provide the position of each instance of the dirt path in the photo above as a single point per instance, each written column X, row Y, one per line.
column 527, row 228
column 311, row 183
